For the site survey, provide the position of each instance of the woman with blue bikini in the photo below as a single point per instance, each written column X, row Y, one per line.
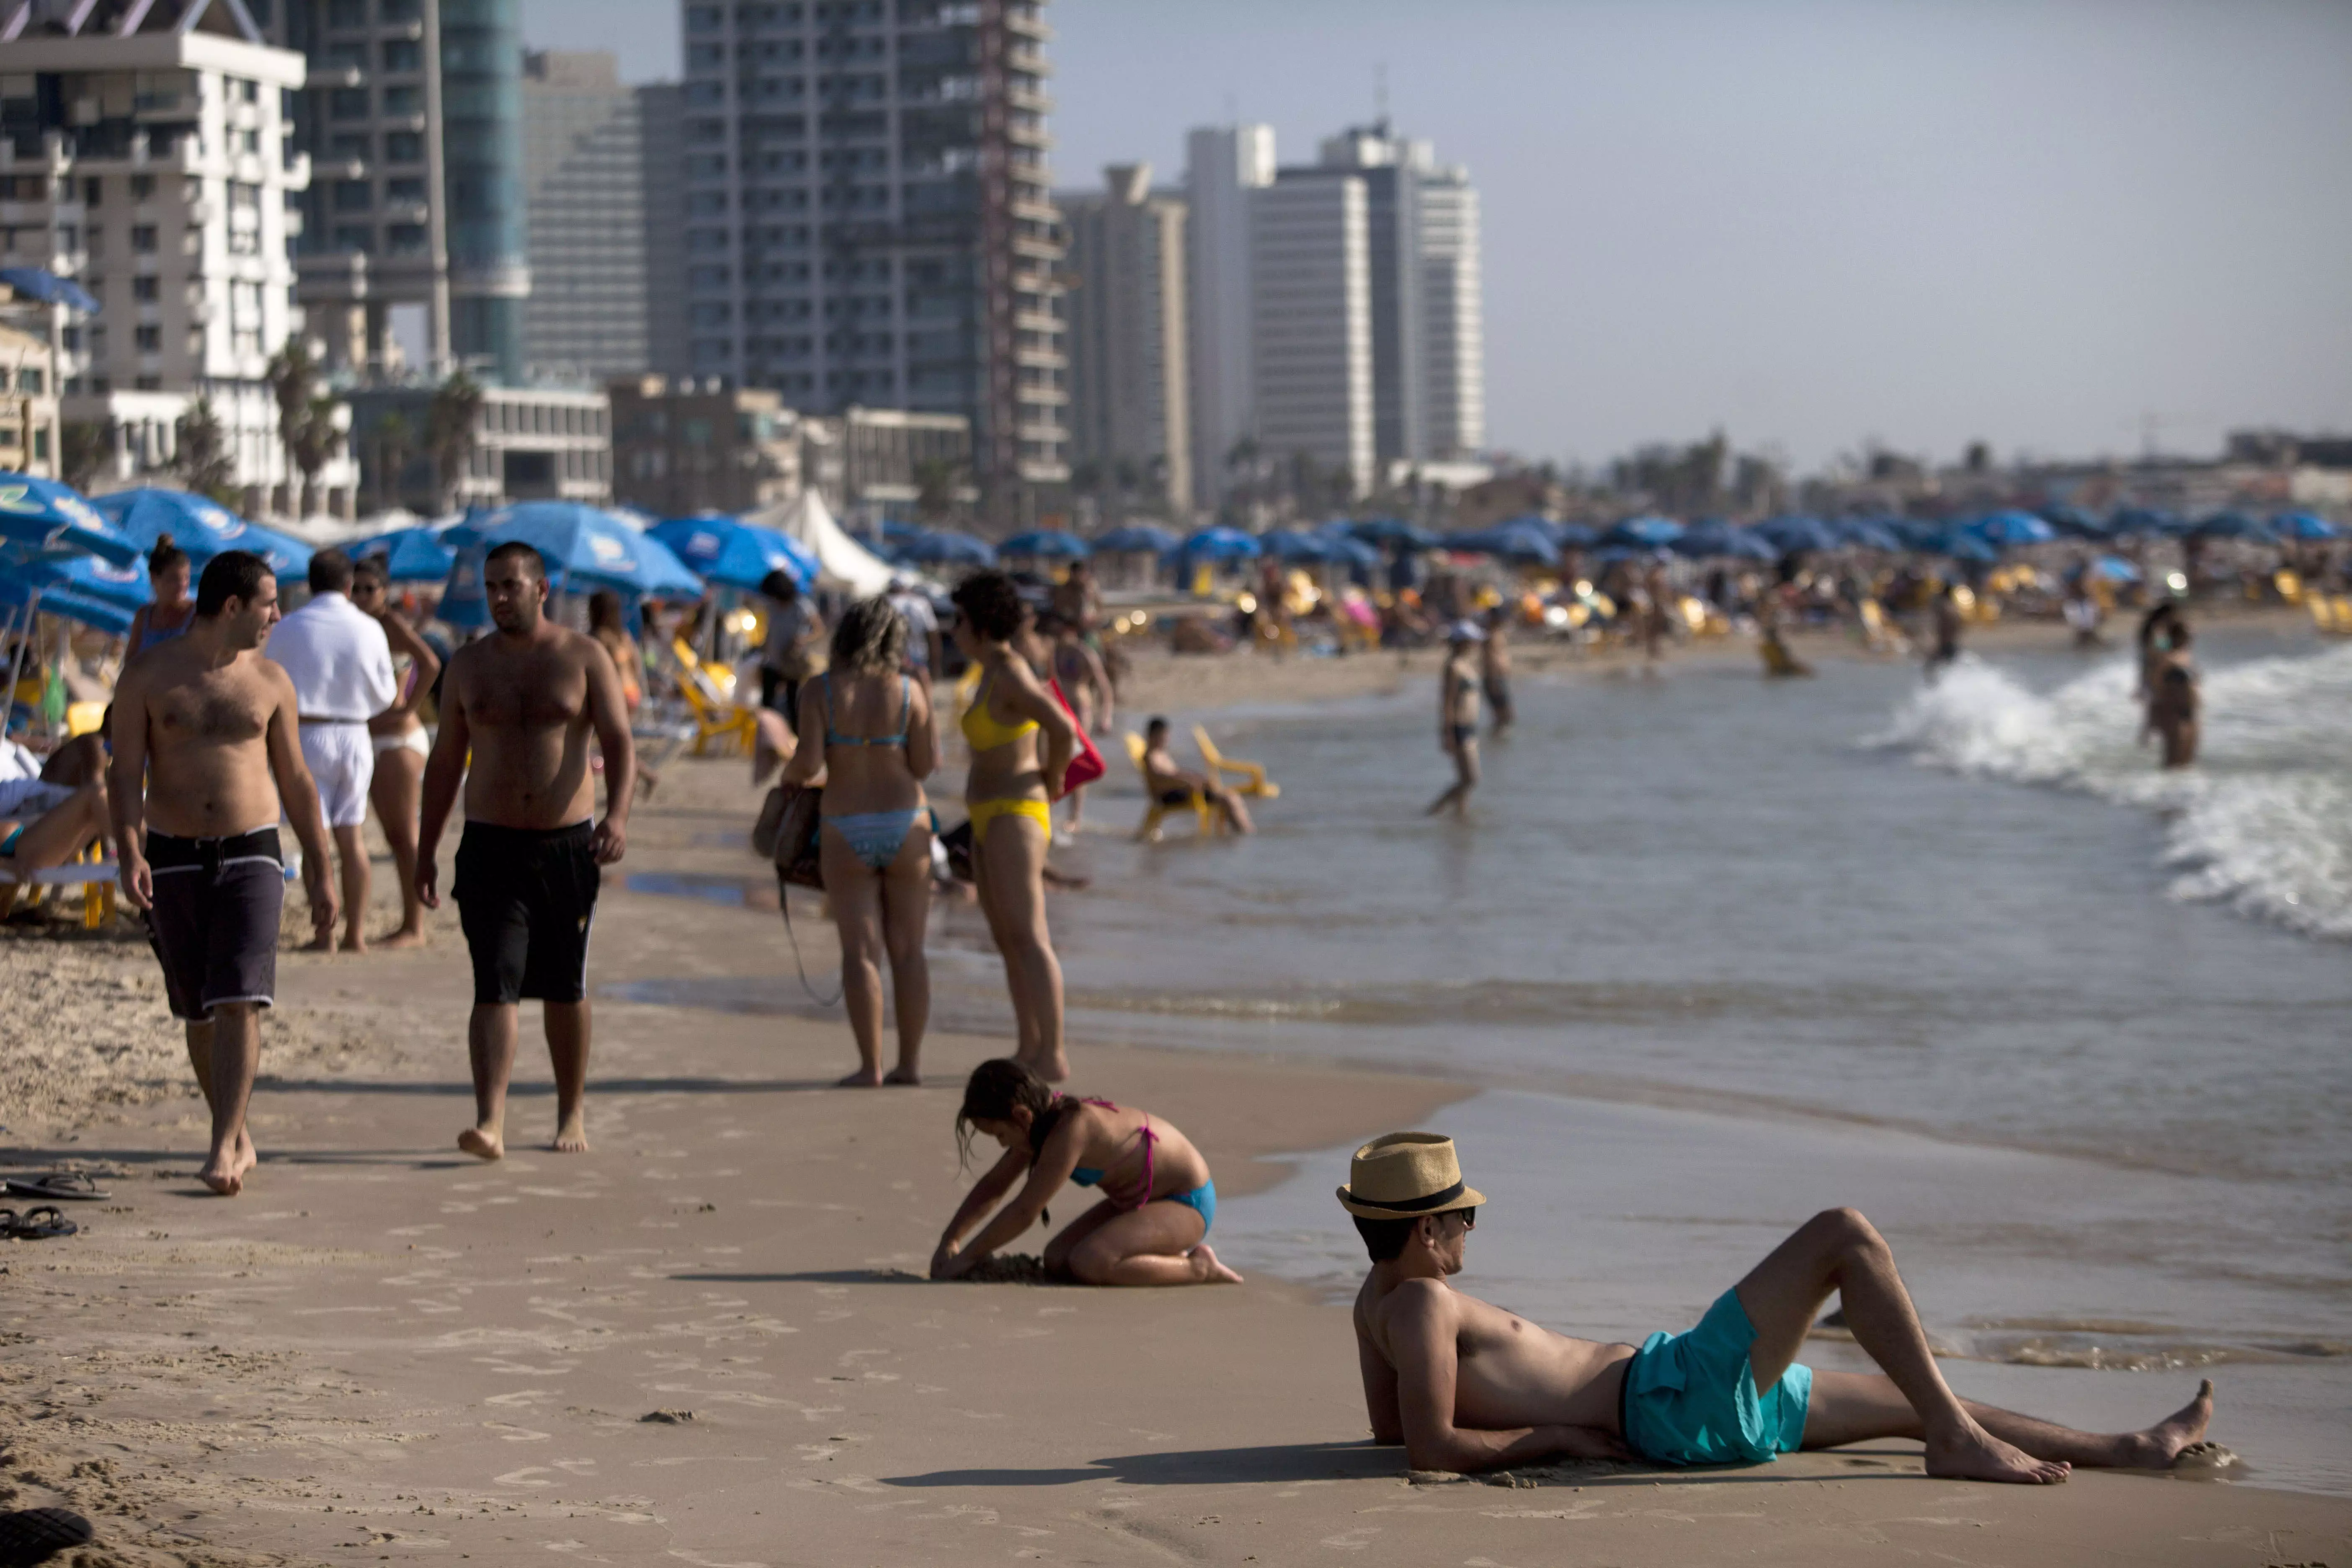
column 1158, row 1200
column 875, row 837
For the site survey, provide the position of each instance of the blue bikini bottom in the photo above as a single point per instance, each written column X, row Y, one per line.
column 874, row 837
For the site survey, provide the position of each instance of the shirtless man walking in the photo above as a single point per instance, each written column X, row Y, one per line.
column 206, row 749
column 526, row 700
column 1465, row 1385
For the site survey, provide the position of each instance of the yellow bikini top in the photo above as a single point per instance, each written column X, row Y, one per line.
column 984, row 732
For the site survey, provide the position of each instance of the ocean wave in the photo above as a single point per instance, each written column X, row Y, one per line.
column 2263, row 822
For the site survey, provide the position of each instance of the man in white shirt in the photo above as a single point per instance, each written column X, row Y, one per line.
column 907, row 598
column 340, row 663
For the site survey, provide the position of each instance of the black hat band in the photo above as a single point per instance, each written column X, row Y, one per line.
column 1411, row 1205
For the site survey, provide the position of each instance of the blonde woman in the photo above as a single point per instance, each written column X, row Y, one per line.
column 867, row 736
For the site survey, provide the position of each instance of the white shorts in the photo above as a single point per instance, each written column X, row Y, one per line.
column 342, row 762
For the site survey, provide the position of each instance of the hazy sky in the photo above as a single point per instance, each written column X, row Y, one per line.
column 2040, row 225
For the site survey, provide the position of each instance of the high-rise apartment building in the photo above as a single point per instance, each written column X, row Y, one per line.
column 1130, row 417
column 1222, row 166
column 143, row 153
column 414, row 118
column 869, row 218
column 584, row 175
column 1311, row 297
column 1423, row 322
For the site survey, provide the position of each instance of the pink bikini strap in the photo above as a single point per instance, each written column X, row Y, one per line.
column 1149, row 1140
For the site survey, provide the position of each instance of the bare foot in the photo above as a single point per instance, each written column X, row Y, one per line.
column 1053, row 1068
column 402, row 938
column 1973, row 1454
column 223, row 1176
column 2160, row 1445
column 864, row 1078
column 355, row 941
column 246, row 1156
column 1219, row 1273
column 571, row 1135
column 482, row 1143
column 324, row 942
column 904, row 1077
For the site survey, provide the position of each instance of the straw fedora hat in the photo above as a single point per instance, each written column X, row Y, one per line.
column 1405, row 1175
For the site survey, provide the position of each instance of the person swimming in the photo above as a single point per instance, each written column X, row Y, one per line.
column 1159, row 1199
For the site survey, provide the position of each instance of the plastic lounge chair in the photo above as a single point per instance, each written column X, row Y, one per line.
column 94, row 876
column 716, row 716
column 1253, row 776
column 1154, row 811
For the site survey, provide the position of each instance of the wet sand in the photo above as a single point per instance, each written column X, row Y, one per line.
column 386, row 1350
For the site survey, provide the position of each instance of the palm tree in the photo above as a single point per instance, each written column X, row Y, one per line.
column 315, row 440
column 292, row 379
column 450, row 423
column 393, row 440
column 936, row 482
column 202, row 457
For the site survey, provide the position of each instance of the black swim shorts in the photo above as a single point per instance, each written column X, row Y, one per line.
column 214, row 925
column 526, row 898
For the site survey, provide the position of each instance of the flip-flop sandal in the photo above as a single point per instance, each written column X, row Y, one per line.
column 36, row 1534
column 70, row 1184
column 32, row 1226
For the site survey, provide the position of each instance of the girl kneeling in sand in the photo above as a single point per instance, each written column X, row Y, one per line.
column 1157, row 1199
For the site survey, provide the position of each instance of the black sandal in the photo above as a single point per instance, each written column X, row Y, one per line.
column 32, row 1226
column 70, row 1185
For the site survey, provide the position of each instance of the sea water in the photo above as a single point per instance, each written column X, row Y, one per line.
column 2073, row 1030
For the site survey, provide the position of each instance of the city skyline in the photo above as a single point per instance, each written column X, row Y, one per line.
column 1808, row 224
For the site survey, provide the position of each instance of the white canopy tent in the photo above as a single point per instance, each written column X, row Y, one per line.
column 843, row 563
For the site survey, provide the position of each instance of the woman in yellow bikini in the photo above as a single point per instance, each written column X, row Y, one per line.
column 1021, row 741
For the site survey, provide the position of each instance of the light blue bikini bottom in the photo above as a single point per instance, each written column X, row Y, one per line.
column 874, row 837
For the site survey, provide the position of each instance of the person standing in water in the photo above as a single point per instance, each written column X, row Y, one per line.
column 1495, row 672
column 524, row 703
column 870, row 741
column 2155, row 645
column 1946, row 613
column 1085, row 686
column 171, row 611
column 1457, row 716
column 207, row 752
column 2173, row 701
column 401, row 744
column 1158, row 1200
column 1021, row 741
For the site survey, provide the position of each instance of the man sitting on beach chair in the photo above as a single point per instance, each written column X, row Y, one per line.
column 1467, row 1386
column 1175, row 786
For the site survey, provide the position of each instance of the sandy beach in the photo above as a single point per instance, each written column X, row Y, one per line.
column 706, row 1339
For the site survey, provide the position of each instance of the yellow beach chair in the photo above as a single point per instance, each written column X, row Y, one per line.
column 717, row 716
column 1155, row 811
column 90, row 871
column 1253, row 776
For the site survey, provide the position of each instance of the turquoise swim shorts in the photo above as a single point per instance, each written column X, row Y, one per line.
column 1691, row 1399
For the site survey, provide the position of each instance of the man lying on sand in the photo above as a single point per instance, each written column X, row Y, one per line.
column 1467, row 1386
column 206, row 747
column 1158, row 1197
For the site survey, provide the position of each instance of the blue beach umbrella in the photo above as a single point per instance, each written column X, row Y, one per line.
column 1221, row 544
column 1385, row 530
column 584, row 547
column 734, row 554
column 1047, row 544
column 2116, row 569
column 2141, row 519
column 200, row 526
column 1516, row 541
column 945, row 547
column 1294, row 546
column 2304, row 525
column 1797, row 535
column 1718, row 540
column 1644, row 532
column 2011, row 528
column 1137, row 539
column 2232, row 525
column 410, row 554
column 88, row 577
column 2074, row 522
column 43, row 515
column 1573, row 535
column 16, row 593
column 1961, row 544
column 47, row 288
column 1868, row 534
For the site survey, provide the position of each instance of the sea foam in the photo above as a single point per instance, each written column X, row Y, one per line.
column 2263, row 821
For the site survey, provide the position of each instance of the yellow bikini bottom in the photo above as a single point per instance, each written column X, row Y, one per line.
column 984, row 812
